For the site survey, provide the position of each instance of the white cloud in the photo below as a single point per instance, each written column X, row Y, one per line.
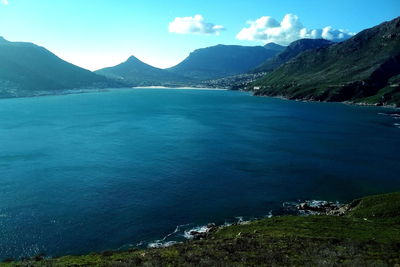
column 4, row 2
column 267, row 29
column 194, row 25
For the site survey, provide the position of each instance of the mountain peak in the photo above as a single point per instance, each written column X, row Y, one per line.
column 133, row 59
column 291, row 51
column 310, row 43
column 134, row 62
column 274, row 47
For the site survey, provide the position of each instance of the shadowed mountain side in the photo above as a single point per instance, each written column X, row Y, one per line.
column 27, row 70
column 275, row 47
column 222, row 60
column 293, row 50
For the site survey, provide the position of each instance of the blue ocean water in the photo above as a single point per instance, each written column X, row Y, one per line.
column 97, row 171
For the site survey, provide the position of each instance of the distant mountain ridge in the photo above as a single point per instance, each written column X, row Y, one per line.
column 364, row 68
column 137, row 73
column 27, row 69
column 222, row 61
column 274, row 46
column 291, row 51
column 202, row 64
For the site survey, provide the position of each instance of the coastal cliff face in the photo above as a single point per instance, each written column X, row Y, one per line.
column 365, row 232
column 363, row 69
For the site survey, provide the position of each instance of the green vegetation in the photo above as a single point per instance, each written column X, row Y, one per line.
column 357, row 70
column 390, row 94
column 381, row 207
column 368, row 235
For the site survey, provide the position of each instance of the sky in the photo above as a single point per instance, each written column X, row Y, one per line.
column 100, row 33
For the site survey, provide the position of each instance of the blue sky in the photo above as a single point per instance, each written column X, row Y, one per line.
column 100, row 33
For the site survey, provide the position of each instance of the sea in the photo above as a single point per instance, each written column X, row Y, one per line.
column 126, row 168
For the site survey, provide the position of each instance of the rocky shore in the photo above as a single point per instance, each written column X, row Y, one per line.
column 314, row 207
column 302, row 208
column 365, row 232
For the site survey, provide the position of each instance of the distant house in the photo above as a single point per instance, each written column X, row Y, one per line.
column 256, row 88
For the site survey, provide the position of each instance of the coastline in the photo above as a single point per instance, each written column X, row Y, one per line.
column 192, row 231
column 364, row 232
column 179, row 88
column 252, row 92
column 63, row 92
column 88, row 91
column 352, row 103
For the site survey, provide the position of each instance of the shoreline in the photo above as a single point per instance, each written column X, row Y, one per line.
column 103, row 90
column 193, row 231
column 362, row 232
column 252, row 92
column 350, row 103
column 180, row 88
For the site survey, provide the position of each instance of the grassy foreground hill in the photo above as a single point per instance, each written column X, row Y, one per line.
column 367, row 235
column 363, row 69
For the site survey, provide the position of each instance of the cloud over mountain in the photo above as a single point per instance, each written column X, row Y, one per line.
column 194, row 25
column 266, row 29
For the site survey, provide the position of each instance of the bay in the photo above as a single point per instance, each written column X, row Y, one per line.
column 108, row 170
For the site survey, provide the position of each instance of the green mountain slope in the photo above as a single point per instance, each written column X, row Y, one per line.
column 293, row 50
column 27, row 69
column 361, row 69
column 222, row 60
column 135, row 73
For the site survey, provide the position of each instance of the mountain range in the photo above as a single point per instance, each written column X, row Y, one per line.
column 223, row 60
column 202, row 64
column 284, row 54
column 364, row 68
column 27, row 70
